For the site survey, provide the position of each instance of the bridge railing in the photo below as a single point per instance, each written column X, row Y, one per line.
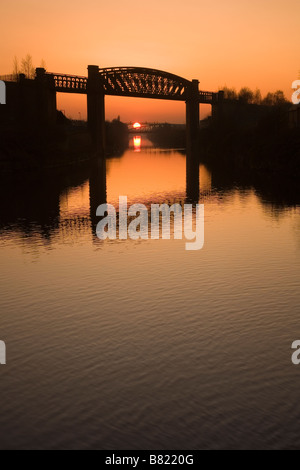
column 207, row 97
column 69, row 83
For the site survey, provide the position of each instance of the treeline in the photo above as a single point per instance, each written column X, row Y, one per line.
column 248, row 96
column 26, row 66
column 261, row 142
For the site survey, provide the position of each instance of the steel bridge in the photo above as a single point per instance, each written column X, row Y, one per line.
column 117, row 81
column 133, row 81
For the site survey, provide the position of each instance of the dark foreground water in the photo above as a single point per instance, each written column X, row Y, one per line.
column 141, row 344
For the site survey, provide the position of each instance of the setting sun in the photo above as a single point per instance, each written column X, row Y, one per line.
column 150, row 214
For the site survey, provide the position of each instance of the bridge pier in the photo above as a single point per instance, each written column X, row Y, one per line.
column 96, row 110
column 192, row 140
column 45, row 98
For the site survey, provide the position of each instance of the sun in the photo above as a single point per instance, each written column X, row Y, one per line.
column 137, row 125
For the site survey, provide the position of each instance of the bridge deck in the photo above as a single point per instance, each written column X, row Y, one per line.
column 129, row 81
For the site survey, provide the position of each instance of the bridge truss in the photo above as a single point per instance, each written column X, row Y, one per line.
column 133, row 82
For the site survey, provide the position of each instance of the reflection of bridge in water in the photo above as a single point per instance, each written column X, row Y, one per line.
column 39, row 211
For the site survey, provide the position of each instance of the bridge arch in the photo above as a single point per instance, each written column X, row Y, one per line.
column 143, row 83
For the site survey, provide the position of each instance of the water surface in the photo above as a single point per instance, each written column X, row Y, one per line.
column 141, row 344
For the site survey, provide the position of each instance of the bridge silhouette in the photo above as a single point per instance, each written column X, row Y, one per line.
column 132, row 82
column 117, row 81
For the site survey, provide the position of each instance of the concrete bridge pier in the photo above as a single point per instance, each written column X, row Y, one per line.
column 192, row 140
column 96, row 110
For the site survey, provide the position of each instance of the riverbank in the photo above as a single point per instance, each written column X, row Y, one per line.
column 28, row 148
column 272, row 154
column 249, row 139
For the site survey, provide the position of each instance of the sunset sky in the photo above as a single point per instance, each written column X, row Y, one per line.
column 234, row 42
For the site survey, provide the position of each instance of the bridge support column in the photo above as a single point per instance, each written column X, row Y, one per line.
column 45, row 99
column 192, row 141
column 96, row 110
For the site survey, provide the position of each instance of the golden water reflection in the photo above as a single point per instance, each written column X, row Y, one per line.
column 137, row 143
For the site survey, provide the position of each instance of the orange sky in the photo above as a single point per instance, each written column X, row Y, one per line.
column 225, row 42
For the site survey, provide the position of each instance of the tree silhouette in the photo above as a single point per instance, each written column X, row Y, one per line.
column 246, row 95
column 274, row 99
column 229, row 93
column 268, row 99
column 27, row 67
column 279, row 97
column 16, row 68
column 257, row 97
